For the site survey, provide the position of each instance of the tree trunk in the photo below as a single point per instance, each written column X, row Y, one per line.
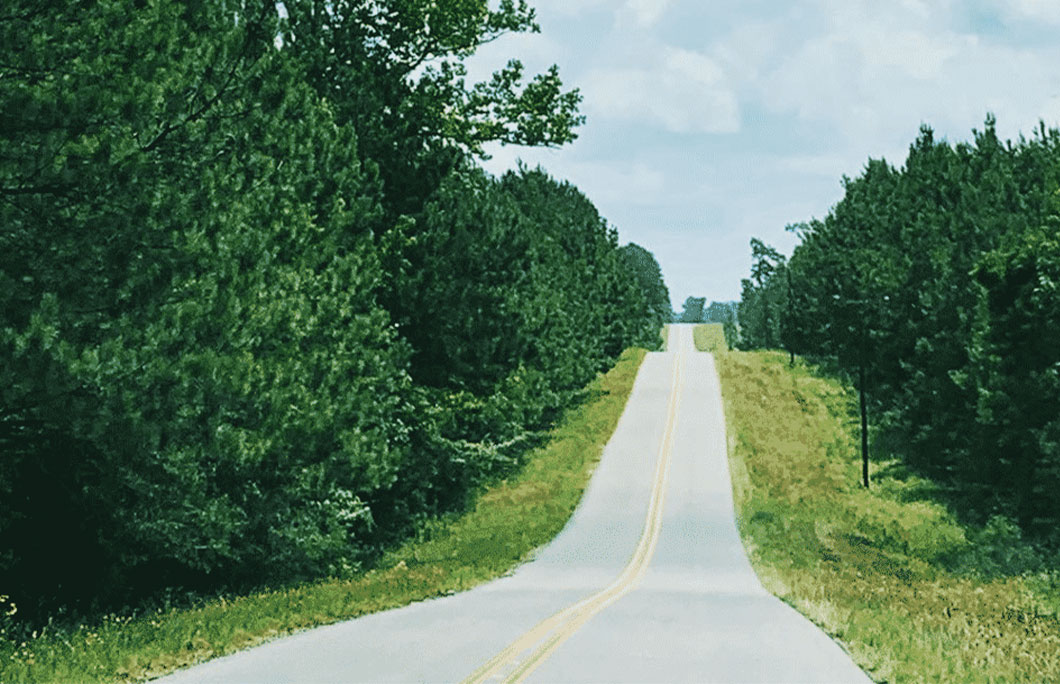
column 864, row 427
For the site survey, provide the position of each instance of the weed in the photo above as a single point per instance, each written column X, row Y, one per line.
column 889, row 572
column 509, row 520
column 710, row 337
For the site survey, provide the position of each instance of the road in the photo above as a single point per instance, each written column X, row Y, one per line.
column 648, row 582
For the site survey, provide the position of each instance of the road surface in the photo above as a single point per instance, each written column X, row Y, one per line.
column 648, row 582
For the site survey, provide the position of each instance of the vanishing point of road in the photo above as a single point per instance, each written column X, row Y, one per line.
column 648, row 582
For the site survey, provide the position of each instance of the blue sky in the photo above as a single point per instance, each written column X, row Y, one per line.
column 714, row 121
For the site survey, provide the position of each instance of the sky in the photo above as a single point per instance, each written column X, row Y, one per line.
column 710, row 122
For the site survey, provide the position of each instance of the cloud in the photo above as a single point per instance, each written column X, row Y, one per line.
column 912, row 52
column 825, row 165
column 804, row 92
column 1031, row 10
column 568, row 8
column 749, row 48
column 607, row 182
column 684, row 92
column 643, row 13
column 870, row 74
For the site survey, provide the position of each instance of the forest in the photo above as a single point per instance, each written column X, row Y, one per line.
column 935, row 287
column 262, row 313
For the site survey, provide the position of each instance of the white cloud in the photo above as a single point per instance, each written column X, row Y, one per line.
column 607, row 183
column 826, row 165
column 568, row 8
column 749, row 48
column 643, row 13
column 872, row 74
column 684, row 92
column 805, row 92
column 1031, row 10
column 912, row 52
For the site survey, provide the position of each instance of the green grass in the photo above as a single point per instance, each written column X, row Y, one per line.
column 888, row 572
column 710, row 337
column 664, row 336
column 509, row 521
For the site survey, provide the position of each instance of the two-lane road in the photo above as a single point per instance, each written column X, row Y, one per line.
column 648, row 582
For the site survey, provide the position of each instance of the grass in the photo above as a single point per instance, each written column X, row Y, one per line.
column 888, row 572
column 509, row 521
column 710, row 337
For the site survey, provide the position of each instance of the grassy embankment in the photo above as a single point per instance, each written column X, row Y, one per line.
column 709, row 337
column 888, row 572
column 510, row 519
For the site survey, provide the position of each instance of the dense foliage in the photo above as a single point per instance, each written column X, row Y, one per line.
column 261, row 313
column 720, row 312
column 691, row 310
column 764, row 299
column 643, row 266
column 939, row 284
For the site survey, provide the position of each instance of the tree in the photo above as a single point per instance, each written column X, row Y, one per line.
column 927, row 284
column 394, row 70
column 1017, row 371
column 719, row 312
column 204, row 386
column 196, row 367
column 645, row 269
column 693, row 310
column 764, row 299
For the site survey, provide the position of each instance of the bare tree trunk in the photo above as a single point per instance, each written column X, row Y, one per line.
column 864, row 427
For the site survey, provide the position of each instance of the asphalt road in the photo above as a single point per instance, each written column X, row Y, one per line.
column 648, row 582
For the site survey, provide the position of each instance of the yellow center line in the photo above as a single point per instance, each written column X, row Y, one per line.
column 549, row 634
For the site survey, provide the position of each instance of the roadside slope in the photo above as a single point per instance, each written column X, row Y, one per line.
column 510, row 519
column 912, row 595
column 446, row 639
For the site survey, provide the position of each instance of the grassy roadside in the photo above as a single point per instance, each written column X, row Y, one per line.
column 912, row 595
column 510, row 519
column 709, row 337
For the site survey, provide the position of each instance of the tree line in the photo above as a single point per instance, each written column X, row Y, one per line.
column 936, row 286
column 696, row 310
column 262, row 312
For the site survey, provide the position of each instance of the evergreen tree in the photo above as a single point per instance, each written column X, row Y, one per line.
column 930, row 285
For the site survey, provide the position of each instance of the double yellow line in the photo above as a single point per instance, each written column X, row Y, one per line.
column 511, row 665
